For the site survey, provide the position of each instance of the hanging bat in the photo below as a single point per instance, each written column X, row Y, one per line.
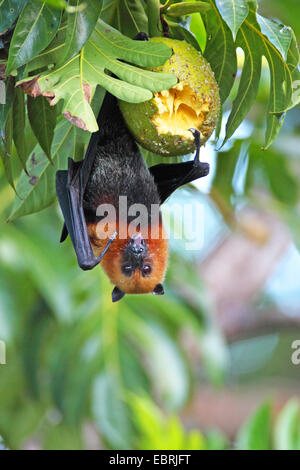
column 113, row 167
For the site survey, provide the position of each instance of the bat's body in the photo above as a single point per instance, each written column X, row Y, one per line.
column 113, row 167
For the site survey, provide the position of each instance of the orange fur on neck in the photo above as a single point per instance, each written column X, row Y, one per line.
column 111, row 262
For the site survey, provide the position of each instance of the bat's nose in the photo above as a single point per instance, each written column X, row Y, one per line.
column 137, row 244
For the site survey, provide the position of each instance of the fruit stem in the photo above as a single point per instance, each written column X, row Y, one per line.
column 154, row 24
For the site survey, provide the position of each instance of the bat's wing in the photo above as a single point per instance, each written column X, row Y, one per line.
column 69, row 187
column 61, row 184
column 170, row 176
column 85, row 166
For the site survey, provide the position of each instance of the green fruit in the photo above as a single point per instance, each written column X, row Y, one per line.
column 161, row 124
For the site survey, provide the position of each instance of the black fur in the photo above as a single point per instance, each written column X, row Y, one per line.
column 119, row 168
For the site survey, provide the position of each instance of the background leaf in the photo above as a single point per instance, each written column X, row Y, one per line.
column 7, row 143
column 34, row 30
column 234, row 12
column 110, row 411
column 198, row 29
column 42, row 119
column 9, row 98
column 19, row 127
column 273, row 42
column 5, row 148
column 220, row 50
column 9, row 12
column 287, row 430
column 255, row 434
column 37, row 190
column 178, row 32
column 250, row 78
column 277, row 174
column 186, row 8
column 80, row 26
column 128, row 16
column 278, row 34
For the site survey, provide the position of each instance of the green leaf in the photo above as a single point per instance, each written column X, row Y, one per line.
column 274, row 125
column 128, row 16
column 198, row 29
column 255, row 434
column 52, row 54
column 9, row 98
column 283, row 74
column 80, row 26
column 8, row 134
column 220, row 50
column 275, row 120
column 62, row 437
column 56, row 3
column 287, row 430
column 154, row 18
column 75, row 81
column 226, row 167
column 42, row 118
column 282, row 181
column 280, row 91
column 186, row 8
column 37, row 191
column 250, row 78
column 19, row 127
column 156, row 432
column 9, row 12
column 178, row 32
column 166, row 361
column 5, row 148
column 110, row 411
column 34, row 30
column 281, row 80
column 294, row 61
column 278, row 34
column 234, row 12
column 271, row 170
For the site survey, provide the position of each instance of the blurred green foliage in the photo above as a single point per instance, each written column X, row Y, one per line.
column 80, row 368
column 72, row 354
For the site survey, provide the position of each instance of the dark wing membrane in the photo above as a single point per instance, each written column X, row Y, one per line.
column 69, row 191
column 68, row 188
column 170, row 176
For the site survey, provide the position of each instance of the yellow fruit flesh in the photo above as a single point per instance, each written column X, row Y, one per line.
column 179, row 109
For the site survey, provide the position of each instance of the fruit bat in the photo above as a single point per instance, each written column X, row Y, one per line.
column 113, row 167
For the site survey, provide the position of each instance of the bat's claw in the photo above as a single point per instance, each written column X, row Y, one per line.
column 111, row 239
column 197, row 140
column 197, row 137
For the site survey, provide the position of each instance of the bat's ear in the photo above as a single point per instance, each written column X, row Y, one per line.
column 117, row 294
column 158, row 290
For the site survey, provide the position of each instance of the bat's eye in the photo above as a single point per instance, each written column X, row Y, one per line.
column 127, row 269
column 146, row 269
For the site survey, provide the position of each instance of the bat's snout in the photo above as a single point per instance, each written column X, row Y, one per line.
column 137, row 244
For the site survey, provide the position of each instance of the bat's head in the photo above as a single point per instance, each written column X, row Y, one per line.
column 136, row 265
